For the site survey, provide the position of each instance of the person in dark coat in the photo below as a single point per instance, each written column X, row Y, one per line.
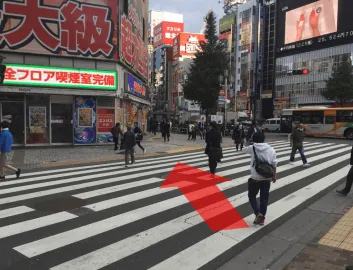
column 154, row 126
column 239, row 136
column 116, row 132
column 349, row 181
column 297, row 143
column 213, row 147
column 165, row 128
column 139, row 137
column 129, row 146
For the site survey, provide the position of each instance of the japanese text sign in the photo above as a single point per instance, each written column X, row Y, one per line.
column 187, row 44
column 133, row 47
column 136, row 87
column 85, row 28
column 165, row 32
column 17, row 74
column 105, row 120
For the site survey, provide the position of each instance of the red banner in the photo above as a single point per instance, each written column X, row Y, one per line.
column 187, row 44
column 105, row 120
column 133, row 49
column 86, row 28
column 165, row 32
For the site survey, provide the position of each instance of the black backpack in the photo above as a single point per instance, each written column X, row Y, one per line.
column 263, row 168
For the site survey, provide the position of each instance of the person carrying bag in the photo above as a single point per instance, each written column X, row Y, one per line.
column 213, row 147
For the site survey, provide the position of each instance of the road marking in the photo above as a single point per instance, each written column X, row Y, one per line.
column 15, row 211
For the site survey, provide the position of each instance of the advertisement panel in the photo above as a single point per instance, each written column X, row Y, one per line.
column 84, row 28
column 133, row 48
column 165, row 32
column 187, row 44
column 18, row 74
column 85, row 120
column 136, row 87
column 226, row 22
column 306, row 25
column 105, row 120
column 226, row 39
column 156, row 17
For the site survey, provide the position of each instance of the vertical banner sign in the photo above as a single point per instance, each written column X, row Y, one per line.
column 260, row 52
column 105, row 120
column 84, row 28
column 85, row 120
column 133, row 49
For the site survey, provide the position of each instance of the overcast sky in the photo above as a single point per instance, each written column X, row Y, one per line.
column 194, row 10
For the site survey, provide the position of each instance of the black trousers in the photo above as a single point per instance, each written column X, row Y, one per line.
column 116, row 143
column 139, row 145
column 212, row 164
column 349, row 181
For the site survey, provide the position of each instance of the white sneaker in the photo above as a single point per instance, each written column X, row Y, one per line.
column 306, row 165
column 291, row 163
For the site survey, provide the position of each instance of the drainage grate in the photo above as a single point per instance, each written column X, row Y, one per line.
column 59, row 204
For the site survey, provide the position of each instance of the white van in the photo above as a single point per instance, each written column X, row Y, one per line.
column 273, row 124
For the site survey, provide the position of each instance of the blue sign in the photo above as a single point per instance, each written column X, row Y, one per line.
column 136, row 87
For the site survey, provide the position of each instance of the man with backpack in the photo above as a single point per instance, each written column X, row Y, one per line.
column 263, row 171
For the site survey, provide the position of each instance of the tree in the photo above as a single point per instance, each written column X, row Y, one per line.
column 339, row 87
column 202, row 83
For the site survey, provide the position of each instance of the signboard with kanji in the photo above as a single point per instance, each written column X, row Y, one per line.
column 187, row 44
column 28, row 75
column 165, row 32
column 133, row 41
column 105, row 119
column 82, row 28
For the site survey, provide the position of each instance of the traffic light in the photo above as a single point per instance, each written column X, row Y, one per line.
column 2, row 73
column 304, row 71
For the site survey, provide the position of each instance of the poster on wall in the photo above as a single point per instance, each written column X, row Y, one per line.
column 82, row 28
column 37, row 119
column 85, row 120
column 105, row 124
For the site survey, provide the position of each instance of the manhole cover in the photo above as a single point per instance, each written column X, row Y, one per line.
column 59, row 204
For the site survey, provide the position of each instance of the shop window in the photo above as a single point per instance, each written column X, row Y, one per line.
column 37, row 122
column 344, row 116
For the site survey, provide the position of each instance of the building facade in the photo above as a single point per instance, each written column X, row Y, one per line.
column 317, row 48
column 71, row 81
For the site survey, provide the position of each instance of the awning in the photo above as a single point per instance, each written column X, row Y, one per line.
column 137, row 99
column 56, row 91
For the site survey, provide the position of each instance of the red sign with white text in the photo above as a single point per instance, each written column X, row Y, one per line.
column 165, row 32
column 86, row 28
column 105, row 120
column 187, row 44
column 133, row 49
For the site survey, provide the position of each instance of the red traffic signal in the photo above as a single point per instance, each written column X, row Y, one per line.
column 304, row 71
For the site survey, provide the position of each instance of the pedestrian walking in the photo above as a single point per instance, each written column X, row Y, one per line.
column 239, row 136
column 263, row 171
column 296, row 142
column 213, row 147
column 349, row 179
column 252, row 129
column 139, row 137
column 190, row 129
column 154, row 126
column 165, row 128
column 116, row 132
column 5, row 148
column 129, row 146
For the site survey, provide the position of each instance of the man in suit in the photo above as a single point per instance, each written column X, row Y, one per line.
column 349, row 180
column 129, row 145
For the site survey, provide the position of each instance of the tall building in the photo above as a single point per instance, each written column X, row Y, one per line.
column 73, row 72
column 311, row 36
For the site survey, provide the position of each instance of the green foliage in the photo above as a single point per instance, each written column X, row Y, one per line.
column 339, row 87
column 202, row 84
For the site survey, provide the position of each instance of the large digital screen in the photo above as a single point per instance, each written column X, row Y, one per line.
column 305, row 25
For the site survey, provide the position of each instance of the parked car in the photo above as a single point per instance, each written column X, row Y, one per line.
column 272, row 125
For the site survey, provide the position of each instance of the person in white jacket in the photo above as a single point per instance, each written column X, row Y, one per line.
column 258, row 183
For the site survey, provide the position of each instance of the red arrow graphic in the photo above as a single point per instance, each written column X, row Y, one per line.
column 204, row 195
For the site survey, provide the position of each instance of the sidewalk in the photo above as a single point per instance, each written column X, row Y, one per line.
column 320, row 237
column 47, row 157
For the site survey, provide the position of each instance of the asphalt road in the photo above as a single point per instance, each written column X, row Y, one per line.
column 106, row 216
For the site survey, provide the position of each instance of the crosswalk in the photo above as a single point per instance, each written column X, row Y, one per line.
column 119, row 218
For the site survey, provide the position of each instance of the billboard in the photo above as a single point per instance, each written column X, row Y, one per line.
column 226, row 39
column 306, row 25
column 187, row 44
column 156, row 17
column 43, row 76
column 135, row 87
column 133, row 48
column 165, row 32
column 84, row 28
column 226, row 22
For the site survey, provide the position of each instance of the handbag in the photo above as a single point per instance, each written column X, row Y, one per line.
column 263, row 168
column 139, row 136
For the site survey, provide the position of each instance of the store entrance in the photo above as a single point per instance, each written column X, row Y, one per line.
column 61, row 123
column 13, row 112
